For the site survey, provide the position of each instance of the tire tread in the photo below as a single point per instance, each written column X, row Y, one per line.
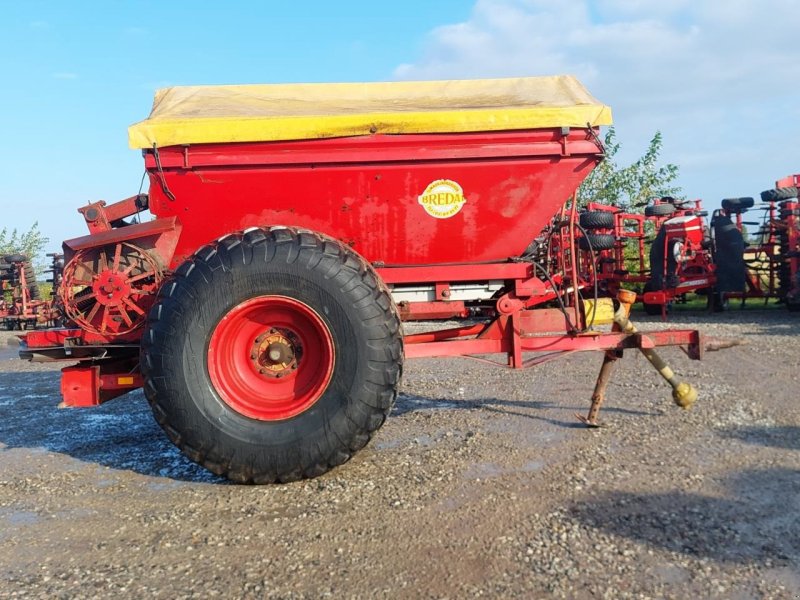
column 353, row 276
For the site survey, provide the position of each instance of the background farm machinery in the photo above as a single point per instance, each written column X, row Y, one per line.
column 666, row 250
column 21, row 303
column 780, row 238
column 672, row 250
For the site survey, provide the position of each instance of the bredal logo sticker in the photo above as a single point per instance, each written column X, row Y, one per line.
column 442, row 199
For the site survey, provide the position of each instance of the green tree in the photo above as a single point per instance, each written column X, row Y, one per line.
column 632, row 186
column 30, row 243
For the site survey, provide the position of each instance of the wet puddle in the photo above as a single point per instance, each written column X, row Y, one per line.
column 7, row 352
column 19, row 517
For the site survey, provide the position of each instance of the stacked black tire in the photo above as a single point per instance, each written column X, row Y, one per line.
column 659, row 210
column 786, row 198
column 657, row 274
column 737, row 205
column 8, row 273
column 592, row 222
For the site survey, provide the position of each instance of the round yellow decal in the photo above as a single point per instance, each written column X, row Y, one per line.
column 442, row 199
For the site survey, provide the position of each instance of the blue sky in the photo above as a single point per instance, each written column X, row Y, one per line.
column 720, row 84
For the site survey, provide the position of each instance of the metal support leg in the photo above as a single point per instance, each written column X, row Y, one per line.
column 610, row 357
column 599, row 393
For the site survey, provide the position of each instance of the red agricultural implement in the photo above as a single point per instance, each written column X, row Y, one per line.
column 21, row 305
column 295, row 227
column 615, row 243
column 781, row 239
column 681, row 255
column 723, row 261
column 607, row 235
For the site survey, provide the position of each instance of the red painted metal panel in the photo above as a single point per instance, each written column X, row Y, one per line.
column 788, row 181
column 122, row 234
column 421, row 311
column 360, row 150
column 84, row 386
column 365, row 191
column 80, row 386
column 56, row 338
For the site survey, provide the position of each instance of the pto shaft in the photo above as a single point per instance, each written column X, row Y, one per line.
column 683, row 393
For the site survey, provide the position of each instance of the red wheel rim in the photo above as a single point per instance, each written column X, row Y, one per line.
column 271, row 358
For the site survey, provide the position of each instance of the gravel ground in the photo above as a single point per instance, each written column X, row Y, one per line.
column 481, row 483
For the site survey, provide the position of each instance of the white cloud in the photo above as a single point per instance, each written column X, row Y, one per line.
column 716, row 79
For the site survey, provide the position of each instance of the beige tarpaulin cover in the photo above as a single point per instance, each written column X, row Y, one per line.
column 251, row 113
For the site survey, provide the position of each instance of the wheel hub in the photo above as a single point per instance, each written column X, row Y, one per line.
column 277, row 352
column 111, row 288
column 271, row 357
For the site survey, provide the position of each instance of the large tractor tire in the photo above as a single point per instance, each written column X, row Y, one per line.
column 272, row 355
column 660, row 278
column 731, row 270
column 15, row 258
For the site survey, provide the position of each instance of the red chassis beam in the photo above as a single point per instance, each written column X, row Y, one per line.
column 90, row 385
column 669, row 294
column 560, row 343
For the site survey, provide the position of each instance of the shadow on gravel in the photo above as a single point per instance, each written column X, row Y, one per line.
column 784, row 436
column 408, row 403
column 757, row 522
column 121, row 434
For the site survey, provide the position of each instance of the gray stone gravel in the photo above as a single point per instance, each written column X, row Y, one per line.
column 482, row 483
